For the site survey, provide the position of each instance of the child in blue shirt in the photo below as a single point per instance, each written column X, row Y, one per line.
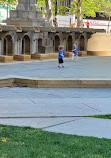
column 74, row 51
column 60, row 56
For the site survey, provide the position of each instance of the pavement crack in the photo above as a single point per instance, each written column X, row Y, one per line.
column 91, row 107
column 31, row 100
column 60, row 123
column 47, row 117
column 24, row 96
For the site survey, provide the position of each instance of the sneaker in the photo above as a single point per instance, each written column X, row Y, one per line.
column 62, row 66
column 59, row 67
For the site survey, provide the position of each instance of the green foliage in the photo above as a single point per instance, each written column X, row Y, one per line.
column 41, row 4
column 105, row 7
column 88, row 7
column 11, row 3
column 62, row 10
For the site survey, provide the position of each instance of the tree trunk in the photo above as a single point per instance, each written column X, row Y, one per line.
column 35, row 1
column 79, row 14
column 7, row 11
column 49, row 14
column 108, row 31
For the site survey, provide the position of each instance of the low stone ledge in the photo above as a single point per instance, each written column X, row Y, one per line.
column 68, row 55
column 55, row 83
column 9, row 82
column 22, row 57
column 6, row 59
column 99, row 53
column 80, row 53
column 44, row 56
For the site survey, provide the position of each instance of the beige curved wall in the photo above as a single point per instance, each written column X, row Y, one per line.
column 99, row 44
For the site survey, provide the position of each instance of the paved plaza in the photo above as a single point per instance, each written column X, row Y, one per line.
column 85, row 67
column 58, row 110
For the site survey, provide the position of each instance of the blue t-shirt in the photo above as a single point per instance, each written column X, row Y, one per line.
column 60, row 52
column 75, row 51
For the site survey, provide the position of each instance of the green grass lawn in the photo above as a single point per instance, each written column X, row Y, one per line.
column 25, row 142
column 103, row 116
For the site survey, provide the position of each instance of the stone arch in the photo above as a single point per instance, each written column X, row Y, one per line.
column 8, row 45
column 82, row 43
column 26, row 45
column 69, row 43
column 56, row 43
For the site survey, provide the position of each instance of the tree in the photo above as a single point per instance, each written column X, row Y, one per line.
column 79, row 13
column 105, row 10
column 83, row 8
column 8, row 3
column 48, row 5
column 49, row 14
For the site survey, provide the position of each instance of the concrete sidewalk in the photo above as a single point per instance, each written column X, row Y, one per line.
column 57, row 110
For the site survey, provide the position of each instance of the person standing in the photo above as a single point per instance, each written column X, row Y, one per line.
column 87, row 24
column 60, row 57
column 74, row 51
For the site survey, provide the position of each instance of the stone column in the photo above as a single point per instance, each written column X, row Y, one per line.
column 64, row 44
column 6, row 47
column 26, row 5
column 0, row 47
column 34, row 43
column 15, row 47
column 31, row 46
column 73, row 35
column 20, row 46
column 34, row 46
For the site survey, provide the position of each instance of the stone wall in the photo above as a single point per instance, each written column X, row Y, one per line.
column 33, row 40
column 99, row 44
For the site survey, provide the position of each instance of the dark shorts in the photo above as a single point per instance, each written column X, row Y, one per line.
column 60, row 60
column 75, row 53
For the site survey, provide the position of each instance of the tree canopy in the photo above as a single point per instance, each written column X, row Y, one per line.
column 105, row 10
column 10, row 2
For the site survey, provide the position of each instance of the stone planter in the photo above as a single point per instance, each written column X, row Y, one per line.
column 6, row 59
column 44, row 56
column 22, row 57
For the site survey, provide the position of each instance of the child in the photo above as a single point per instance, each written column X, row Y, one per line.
column 60, row 56
column 74, row 51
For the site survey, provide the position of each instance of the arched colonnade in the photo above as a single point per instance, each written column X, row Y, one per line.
column 25, row 44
